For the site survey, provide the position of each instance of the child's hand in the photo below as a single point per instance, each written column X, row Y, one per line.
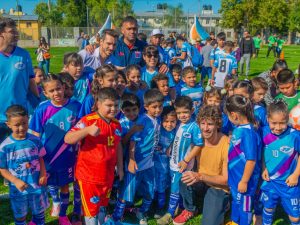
column 242, row 186
column 182, row 166
column 132, row 166
column 292, row 180
column 265, row 175
column 212, row 82
column 43, row 180
column 93, row 129
column 137, row 128
column 20, row 185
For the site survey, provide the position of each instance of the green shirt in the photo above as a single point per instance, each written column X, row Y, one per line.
column 280, row 43
column 257, row 42
column 272, row 41
column 290, row 101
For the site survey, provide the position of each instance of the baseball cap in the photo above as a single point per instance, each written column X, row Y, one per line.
column 156, row 32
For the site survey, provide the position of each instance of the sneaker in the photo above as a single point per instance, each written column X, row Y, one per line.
column 183, row 217
column 165, row 219
column 64, row 220
column 55, row 210
column 76, row 219
column 141, row 217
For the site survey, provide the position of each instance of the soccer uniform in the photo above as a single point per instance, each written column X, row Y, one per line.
column 290, row 101
column 281, row 154
column 260, row 114
column 147, row 76
column 52, row 123
column 21, row 159
column 186, row 47
column 195, row 93
column 167, row 101
column 140, row 94
column 245, row 145
column 82, row 88
column 225, row 64
column 227, row 126
column 96, row 162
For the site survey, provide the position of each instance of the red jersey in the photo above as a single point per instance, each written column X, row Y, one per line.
column 97, row 156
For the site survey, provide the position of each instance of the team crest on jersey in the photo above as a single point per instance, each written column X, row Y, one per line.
column 94, row 199
column 286, row 149
column 118, row 132
column 187, row 135
column 20, row 66
column 138, row 54
column 71, row 119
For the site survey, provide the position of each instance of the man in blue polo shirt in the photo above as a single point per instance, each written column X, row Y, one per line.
column 16, row 72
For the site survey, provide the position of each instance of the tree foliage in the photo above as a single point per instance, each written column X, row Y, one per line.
column 74, row 12
column 46, row 17
column 174, row 16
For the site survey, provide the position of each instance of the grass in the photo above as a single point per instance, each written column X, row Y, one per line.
column 258, row 65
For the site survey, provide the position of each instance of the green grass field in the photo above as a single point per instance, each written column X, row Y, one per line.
column 258, row 65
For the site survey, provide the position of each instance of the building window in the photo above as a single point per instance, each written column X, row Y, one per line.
column 28, row 24
column 207, row 21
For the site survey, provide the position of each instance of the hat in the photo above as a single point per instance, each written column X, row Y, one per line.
column 156, row 32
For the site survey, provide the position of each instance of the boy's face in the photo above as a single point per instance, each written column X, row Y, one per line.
column 169, row 122
column 258, row 95
column 220, row 42
column 19, row 126
column 69, row 90
column 190, row 79
column 176, row 76
column 183, row 114
column 163, row 87
column 213, row 100
column 108, row 108
column 39, row 77
column 288, row 89
column 154, row 109
column 277, row 122
column 74, row 70
column 131, row 112
column 110, row 80
column 179, row 43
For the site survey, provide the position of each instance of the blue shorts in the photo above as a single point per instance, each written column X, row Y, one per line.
column 175, row 181
column 142, row 181
column 241, row 211
column 60, row 178
column 206, row 71
column 38, row 203
column 290, row 205
column 162, row 178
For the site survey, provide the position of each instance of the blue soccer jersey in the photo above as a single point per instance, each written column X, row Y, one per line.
column 87, row 105
column 82, row 88
column 187, row 136
column 260, row 114
column 227, row 126
column 21, row 159
column 147, row 76
column 245, row 145
column 215, row 53
column 146, row 141
column 15, row 72
column 140, row 94
column 52, row 123
column 195, row 93
column 167, row 101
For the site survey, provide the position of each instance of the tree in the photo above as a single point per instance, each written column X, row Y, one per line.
column 174, row 17
column 123, row 9
column 74, row 12
column 46, row 18
column 232, row 14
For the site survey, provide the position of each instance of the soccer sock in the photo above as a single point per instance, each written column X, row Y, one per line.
column 245, row 217
column 91, row 220
column 267, row 217
column 145, row 205
column 53, row 190
column 64, row 203
column 20, row 222
column 161, row 200
column 101, row 215
column 173, row 202
column 119, row 210
column 77, row 199
column 39, row 219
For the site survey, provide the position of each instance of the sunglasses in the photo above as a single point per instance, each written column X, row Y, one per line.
column 149, row 55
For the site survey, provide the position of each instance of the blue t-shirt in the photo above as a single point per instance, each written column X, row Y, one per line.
column 260, row 114
column 15, row 72
column 140, row 94
column 187, row 136
column 82, row 87
column 167, row 101
column 86, row 107
column 147, row 76
column 215, row 53
column 52, row 123
column 21, row 159
column 245, row 145
column 146, row 141
column 170, row 53
column 281, row 153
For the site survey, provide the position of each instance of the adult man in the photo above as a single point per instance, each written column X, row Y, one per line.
column 16, row 72
column 247, row 51
column 212, row 175
column 272, row 43
column 103, row 54
column 80, row 40
column 155, row 39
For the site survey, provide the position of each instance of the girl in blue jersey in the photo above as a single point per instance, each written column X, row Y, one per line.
column 281, row 165
column 51, row 121
column 243, row 158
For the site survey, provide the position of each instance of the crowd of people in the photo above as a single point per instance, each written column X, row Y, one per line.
column 126, row 119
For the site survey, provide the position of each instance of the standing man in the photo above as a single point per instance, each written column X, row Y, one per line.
column 80, row 40
column 155, row 39
column 16, row 72
column 247, row 51
column 272, row 43
column 257, row 43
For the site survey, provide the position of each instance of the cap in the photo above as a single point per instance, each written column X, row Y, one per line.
column 156, row 32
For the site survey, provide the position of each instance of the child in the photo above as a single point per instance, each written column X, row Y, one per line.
column 225, row 65
column 176, row 70
column 237, row 51
column 186, row 51
column 287, row 85
column 121, row 83
column 22, row 164
column 161, row 82
column 281, row 167
column 39, row 77
column 191, row 88
column 206, row 67
column 161, row 158
column 228, row 87
column 69, row 83
column 170, row 50
column 140, row 174
column 73, row 65
column 187, row 143
column 257, row 44
column 219, row 50
column 105, row 76
column 51, row 121
column 100, row 151
column 243, row 158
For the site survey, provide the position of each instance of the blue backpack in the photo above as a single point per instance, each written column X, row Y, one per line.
column 197, row 58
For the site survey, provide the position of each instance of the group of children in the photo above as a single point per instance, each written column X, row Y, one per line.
column 140, row 127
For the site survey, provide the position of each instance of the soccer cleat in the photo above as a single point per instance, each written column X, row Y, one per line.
column 183, row 217
column 64, row 220
column 55, row 210
column 141, row 217
column 165, row 219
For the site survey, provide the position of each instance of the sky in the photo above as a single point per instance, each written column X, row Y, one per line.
column 138, row 5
